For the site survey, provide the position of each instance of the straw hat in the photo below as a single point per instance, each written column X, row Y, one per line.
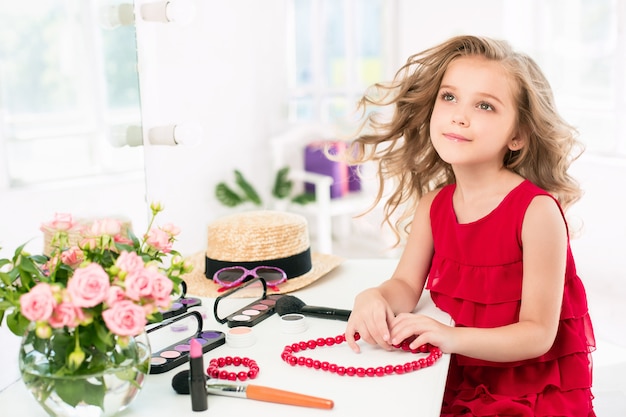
column 253, row 238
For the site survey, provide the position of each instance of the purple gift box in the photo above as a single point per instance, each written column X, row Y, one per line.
column 345, row 177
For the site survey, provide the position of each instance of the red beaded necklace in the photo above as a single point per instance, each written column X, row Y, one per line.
column 289, row 357
column 214, row 372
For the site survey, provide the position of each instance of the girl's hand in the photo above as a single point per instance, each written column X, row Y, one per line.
column 426, row 330
column 370, row 318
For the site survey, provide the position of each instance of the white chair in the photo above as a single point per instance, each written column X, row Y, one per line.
column 327, row 214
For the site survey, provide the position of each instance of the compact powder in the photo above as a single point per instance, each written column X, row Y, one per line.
column 169, row 354
column 182, row 348
column 240, row 330
column 211, row 335
column 157, row 361
column 293, row 323
column 240, row 337
column 251, row 312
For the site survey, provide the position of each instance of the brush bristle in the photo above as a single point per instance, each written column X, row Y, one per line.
column 288, row 304
column 180, row 382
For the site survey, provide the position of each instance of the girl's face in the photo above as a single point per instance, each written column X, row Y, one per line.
column 474, row 120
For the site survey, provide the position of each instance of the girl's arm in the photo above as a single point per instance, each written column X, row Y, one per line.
column 375, row 308
column 544, row 240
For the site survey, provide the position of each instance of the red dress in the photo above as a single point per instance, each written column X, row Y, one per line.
column 476, row 277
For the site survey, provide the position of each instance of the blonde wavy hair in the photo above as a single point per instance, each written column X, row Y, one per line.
column 401, row 148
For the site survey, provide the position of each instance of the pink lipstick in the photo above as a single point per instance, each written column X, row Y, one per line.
column 197, row 386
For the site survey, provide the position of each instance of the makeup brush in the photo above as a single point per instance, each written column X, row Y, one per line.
column 180, row 383
column 288, row 304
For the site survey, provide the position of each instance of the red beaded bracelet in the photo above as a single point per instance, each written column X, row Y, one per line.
column 214, row 372
column 289, row 357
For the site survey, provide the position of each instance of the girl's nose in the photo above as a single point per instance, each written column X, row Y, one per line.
column 459, row 118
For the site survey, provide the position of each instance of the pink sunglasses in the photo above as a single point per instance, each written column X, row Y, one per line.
column 233, row 276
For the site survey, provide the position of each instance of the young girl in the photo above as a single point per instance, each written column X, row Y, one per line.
column 479, row 156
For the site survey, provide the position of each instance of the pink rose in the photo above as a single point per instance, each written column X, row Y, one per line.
column 159, row 239
column 115, row 295
column 60, row 222
column 161, row 290
column 88, row 286
column 72, row 257
column 101, row 227
column 122, row 239
column 38, row 303
column 129, row 262
column 139, row 284
column 125, row 318
column 89, row 243
column 64, row 314
column 171, row 229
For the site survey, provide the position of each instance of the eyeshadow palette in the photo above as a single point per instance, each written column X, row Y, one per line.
column 253, row 313
column 181, row 306
column 178, row 353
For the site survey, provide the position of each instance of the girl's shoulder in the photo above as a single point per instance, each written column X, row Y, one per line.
column 439, row 194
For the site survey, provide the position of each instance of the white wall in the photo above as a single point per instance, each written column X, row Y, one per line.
column 225, row 71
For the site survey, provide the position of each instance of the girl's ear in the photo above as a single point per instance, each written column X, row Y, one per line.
column 518, row 141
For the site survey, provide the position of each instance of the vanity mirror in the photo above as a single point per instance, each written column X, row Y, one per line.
column 69, row 91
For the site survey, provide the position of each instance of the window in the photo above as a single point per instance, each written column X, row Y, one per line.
column 338, row 48
column 582, row 49
column 68, row 89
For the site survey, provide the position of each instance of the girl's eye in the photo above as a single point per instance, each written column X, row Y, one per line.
column 485, row 106
column 445, row 96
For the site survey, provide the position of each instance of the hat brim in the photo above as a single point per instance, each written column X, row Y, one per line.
column 201, row 286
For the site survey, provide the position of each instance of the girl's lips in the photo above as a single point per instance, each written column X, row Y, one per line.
column 455, row 137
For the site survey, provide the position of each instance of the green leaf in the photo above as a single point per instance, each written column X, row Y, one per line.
column 18, row 253
column 101, row 337
column 6, row 278
column 246, row 187
column 282, row 184
column 73, row 391
column 17, row 323
column 227, row 196
column 40, row 259
column 304, row 198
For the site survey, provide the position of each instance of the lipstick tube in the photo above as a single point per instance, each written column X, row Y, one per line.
column 197, row 381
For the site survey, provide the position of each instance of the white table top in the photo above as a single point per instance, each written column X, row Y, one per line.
column 421, row 390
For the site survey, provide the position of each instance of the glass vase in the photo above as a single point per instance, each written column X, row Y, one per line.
column 105, row 383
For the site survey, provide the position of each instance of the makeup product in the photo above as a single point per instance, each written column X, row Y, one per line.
column 182, row 305
column 253, row 392
column 240, row 337
column 197, row 381
column 178, row 353
column 293, row 323
column 253, row 313
column 289, row 304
